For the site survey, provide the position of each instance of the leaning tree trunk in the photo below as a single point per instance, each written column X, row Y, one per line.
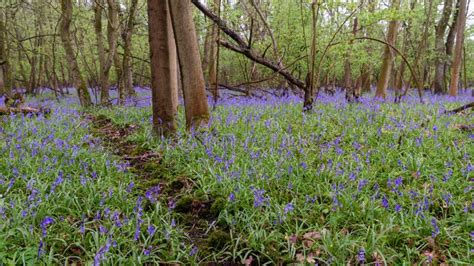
column 192, row 78
column 457, row 60
column 387, row 63
column 164, row 81
column 78, row 79
column 439, row 85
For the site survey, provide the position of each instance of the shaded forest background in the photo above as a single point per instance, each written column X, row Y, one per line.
column 110, row 39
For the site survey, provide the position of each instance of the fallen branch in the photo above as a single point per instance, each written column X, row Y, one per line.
column 23, row 110
column 460, row 109
column 236, row 89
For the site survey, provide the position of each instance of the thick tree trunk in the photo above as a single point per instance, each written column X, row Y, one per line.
column 164, row 80
column 387, row 63
column 78, row 79
column 127, row 50
column 457, row 59
column 192, row 78
column 439, row 85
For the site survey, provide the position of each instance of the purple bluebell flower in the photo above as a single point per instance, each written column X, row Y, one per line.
column 232, row 197
column 435, row 228
column 289, row 208
column 361, row 256
column 193, row 251
column 45, row 223
column 385, row 203
column 151, row 230
column 153, row 193
column 41, row 250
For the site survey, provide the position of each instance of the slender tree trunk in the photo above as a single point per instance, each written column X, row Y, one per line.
column 352, row 91
column 164, row 80
column 112, row 36
column 388, row 57
column 103, row 72
column 3, row 58
column 311, row 79
column 192, row 78
column 457, row 59
column 127, row 50
column 450, row 45
column 438, row 85
column 214, row 48
column 78, row 79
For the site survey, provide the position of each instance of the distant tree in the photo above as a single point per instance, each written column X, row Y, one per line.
column 127, row 49
column 458, row 48
column 387, row 64
column 78, row 79
column 439, row 85
column 3, row 57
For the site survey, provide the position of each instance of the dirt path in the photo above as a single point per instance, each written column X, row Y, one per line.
column 198, row 214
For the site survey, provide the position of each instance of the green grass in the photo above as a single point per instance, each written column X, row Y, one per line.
column 271, row 175
column 316, row 162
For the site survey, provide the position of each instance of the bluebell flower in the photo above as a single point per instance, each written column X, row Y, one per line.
column 151, row 230
column 45, row 223
column 289, row 208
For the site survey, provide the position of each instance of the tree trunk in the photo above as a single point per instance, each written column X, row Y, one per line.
column 127, row 51
column 213, row 52
column 438, row 85
column 457, row 59
column 352, row 91
column 310, row 78
column 78, row 79
column 3, row 58
column 192, row 78
column 450, row 43
column 387, row 63
column 103, row 76
column 164, row 82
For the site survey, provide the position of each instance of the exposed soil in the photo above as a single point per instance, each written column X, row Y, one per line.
column 197, row 213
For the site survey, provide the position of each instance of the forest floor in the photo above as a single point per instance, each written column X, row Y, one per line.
column 344, row 184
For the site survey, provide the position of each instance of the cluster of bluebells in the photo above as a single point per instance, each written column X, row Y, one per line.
column 54, row 178
column 330, row 159
column 345, row 159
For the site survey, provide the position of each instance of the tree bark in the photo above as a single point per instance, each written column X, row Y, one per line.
column 164, row 80
column 387, row 63
column 213, row 52
column 192, row 78
column 127, row 50
column 457, row 59
column 439, row 85
column 3, row 58
column 78, row 79
column 103, row 75
column 450, row 43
